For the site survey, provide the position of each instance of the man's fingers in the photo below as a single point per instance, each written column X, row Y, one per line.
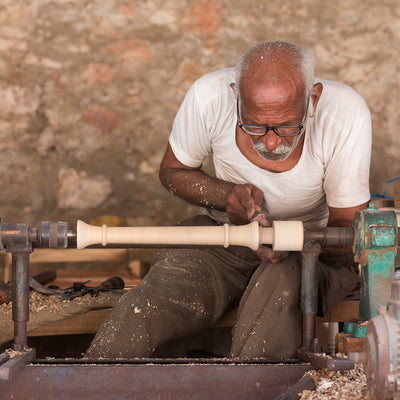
column 235, row 208
column 258, row 196
column 275, row 260
column 241, row 205
column 249, row 206
column 267, row 254
column 251, row 198
column 262, row 220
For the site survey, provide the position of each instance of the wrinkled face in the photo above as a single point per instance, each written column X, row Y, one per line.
column 273, row 104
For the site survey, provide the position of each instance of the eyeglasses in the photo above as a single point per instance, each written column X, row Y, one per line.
column 281, row 131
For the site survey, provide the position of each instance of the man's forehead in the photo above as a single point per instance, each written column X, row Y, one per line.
column 287, row 91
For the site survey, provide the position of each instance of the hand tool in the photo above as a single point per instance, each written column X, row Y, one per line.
column 42, row 278
column 79, row 288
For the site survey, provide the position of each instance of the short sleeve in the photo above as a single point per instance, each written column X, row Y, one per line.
column 348, row 145
column 189, row 137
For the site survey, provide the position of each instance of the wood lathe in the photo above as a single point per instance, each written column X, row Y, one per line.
column 374, row 234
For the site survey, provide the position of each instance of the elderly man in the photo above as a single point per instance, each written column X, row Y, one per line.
column 284, row 146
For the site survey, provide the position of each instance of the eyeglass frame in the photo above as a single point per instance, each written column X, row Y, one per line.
column 271, row 128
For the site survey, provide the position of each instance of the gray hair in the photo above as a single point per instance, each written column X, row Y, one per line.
column 302, row 61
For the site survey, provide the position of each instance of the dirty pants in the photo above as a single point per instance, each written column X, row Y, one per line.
column 187, row 290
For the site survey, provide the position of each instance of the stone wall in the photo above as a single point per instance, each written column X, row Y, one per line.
column 89, row 89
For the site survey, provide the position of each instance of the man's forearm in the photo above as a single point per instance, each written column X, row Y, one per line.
column 197, row 187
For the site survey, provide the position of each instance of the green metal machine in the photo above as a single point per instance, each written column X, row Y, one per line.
column 375, row 248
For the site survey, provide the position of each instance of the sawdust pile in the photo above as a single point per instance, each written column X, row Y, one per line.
column 44, row 309
column 343, row 385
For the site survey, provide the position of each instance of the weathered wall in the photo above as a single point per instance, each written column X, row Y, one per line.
column 89, row 89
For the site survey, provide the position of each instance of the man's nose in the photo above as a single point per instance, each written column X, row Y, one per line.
column 271, row 140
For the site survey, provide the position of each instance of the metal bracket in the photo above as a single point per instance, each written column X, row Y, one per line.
column 14, row 364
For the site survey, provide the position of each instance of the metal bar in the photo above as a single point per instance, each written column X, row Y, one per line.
column 331, row 236
column 152, row 381
column 331, row 363
column 292, row 393
column 20, row 298
column 4, row 357
column 309, row 297
column 308, row 331
column 339, row 236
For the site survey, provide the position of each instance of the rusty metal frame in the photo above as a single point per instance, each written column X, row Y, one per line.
column 151, row 379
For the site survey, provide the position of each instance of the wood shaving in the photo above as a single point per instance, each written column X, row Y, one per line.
column 343, row 385
column 12, row 353
column 39, row 302
column 45, row 309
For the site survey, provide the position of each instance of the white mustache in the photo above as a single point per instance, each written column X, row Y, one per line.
column 280, row 149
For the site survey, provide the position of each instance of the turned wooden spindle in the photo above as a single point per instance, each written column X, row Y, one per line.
column 283, row 235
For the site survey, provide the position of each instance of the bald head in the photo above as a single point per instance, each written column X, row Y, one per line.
column 274, row 63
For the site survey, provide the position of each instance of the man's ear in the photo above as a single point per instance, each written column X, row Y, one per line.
column 315, row 96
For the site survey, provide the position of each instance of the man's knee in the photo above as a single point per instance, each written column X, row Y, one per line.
column 285, row 274
column 269, row 321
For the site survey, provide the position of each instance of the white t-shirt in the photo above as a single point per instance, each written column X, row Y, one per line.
column 333, row 169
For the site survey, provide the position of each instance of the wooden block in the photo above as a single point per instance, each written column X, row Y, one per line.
column 137, row 268
column 380, row 202
column 339, row 342
column 228, row 319
column 347, row 310
column 353, row 345
column 134, row 268
column 88, row 322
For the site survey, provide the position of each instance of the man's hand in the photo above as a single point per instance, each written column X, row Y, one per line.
column 265, row 253
column 243, row 202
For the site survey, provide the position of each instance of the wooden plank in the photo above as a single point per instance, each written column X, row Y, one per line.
column 347, row 310
column 88, row 322
column 91, row 321
column 74, row 255
column 353, row 345
column 339, row 342
column 228, row 319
